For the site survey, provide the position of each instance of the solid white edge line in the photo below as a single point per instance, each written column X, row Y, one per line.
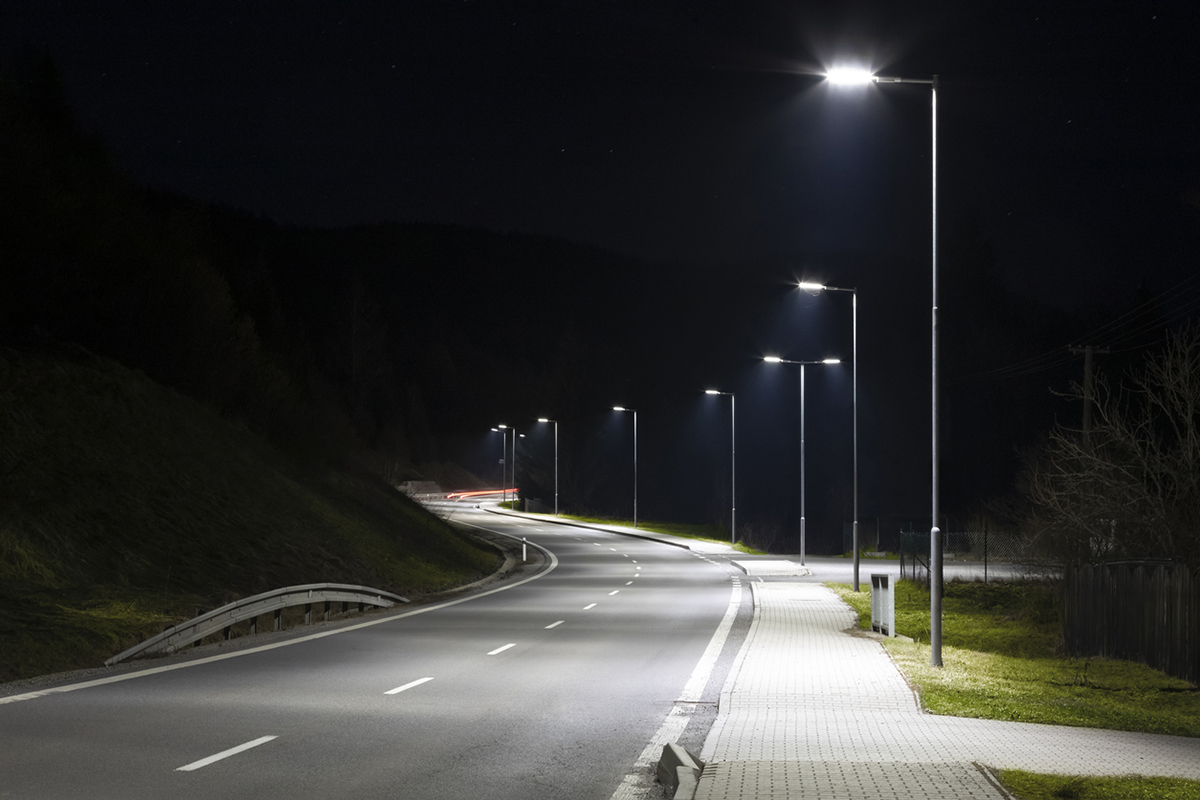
column 591, row 605
column 641, row 778
column 502, row 649
column 233, row 751
column 409, row 685
column 248, row 651
column 554, row 624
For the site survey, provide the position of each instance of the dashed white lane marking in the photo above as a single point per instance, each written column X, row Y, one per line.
column 409, row 685
column 502, row 649
column 554, row 624
column 590, row 605
column 625, row 554
column 635, row 561
column 628, row 583
column 233, row 751
column 597, row 544
column 613, row 549
column 614, row 591
column 637, row 567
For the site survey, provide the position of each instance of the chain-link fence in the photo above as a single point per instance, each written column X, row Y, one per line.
column 969, row 555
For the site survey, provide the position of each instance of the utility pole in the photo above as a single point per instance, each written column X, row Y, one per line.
column 1089, row 352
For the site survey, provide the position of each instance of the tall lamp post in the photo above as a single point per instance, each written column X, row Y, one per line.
column 733, row 461
column 817, row 288
column 860, row 77
column 778, row 360
column 635, row 475
column 503, row 431
column 543, row 419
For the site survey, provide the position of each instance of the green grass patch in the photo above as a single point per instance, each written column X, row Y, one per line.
column 124, row 506
column 1033, row 786
column 1000, row 661
column 712, row 533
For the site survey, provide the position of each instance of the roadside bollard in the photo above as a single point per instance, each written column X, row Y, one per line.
column 524, row 554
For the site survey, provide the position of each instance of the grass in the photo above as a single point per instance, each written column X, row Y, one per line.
column 1000, row 661
column 716, row 534
column 124, row 506
column 1032, row 786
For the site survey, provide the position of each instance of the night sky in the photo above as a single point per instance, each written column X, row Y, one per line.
column 696, row 137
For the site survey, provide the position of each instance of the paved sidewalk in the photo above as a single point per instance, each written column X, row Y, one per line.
column 809, row 710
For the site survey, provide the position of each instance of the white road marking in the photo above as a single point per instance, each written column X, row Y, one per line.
column 71, row 687
column 591, row 605
column 597, row 544
column 637, row 567
column 613, row 549
column 628, row 583
column 635, row 561
column 640, row 779
column 410, row 685
column 614, row 591
column 554, row 624
column 233, row 751
column 502, row 649
column 625, row 554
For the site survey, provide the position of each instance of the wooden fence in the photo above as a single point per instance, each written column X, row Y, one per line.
column 1143, row 612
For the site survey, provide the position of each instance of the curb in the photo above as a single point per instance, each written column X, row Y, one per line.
column 577, row 524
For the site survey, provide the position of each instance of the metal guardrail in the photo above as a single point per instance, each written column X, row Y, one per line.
column 250, row 608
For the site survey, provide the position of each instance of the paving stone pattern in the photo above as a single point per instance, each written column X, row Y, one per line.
column 810, row 710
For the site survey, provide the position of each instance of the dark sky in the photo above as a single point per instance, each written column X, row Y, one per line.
column 668, row 131
column 697, row 134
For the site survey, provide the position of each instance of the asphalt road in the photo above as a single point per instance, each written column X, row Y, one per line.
column 550, row 688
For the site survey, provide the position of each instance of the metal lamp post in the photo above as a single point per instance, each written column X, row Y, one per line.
column 859, row 77
column 802, row 364
column 503, row 430
column 733, row 461
column 816, row 288
column 635, row 471
column 543, row 419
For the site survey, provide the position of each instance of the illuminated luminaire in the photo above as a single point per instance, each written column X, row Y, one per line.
column 849, row 76
column 811, row 287
column 831, row 361
column 772, row 359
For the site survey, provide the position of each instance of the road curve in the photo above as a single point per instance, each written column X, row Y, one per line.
column 550, row 688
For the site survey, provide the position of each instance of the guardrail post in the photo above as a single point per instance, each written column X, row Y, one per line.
column 254, row 626
column 308, row 613
column 361, row 606
column 345, row 605
column 279, row 619
column 327, row 611
column 225, row 632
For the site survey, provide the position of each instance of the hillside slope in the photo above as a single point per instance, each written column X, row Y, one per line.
column 125, row 505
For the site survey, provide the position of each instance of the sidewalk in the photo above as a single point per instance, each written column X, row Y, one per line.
column 809, row 710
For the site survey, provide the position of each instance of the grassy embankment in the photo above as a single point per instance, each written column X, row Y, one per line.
column 124, row 506
column 1000, row 661
column 716, row 534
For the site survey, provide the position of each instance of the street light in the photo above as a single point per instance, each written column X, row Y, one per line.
column 503, row 431
column 860, row 77
column 635, row 481
column 733, row 461
column 778, row 360
column 543, row 419
column 817, row 288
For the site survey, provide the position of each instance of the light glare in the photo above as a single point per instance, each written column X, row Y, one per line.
column 542, row 419
column 832, row 361
column 849, row 76
column 711, row 391
column 618, row 408
column 811, row 287
column 772, row 359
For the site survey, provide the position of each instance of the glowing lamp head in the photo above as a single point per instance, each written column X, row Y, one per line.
column 849, row 76
column 711, row 391
column 811, row 287
column 831, row 361
column 501, row 426
column 772, row 359
column 542, row 419
column 619, row 408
